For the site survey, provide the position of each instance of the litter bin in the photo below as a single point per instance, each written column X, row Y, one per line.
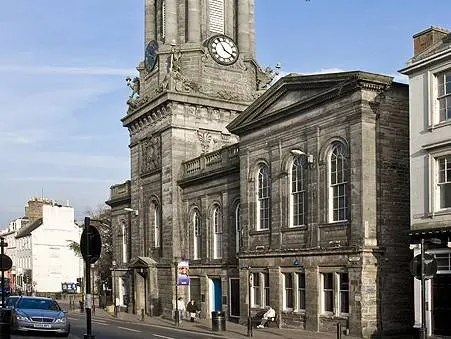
column 5, row 323
column 218, row 321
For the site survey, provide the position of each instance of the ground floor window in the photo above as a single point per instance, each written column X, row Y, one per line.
column 260, row 291
column 294, row 291
column 335, row 293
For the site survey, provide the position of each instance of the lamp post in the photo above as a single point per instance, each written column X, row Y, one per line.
column 423, row 333
column 249, row 314
column 114, row 288
column 176, row 316
column 131, row 282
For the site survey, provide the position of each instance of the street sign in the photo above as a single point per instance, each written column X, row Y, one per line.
column 5, row 262
column 95, row 244
column 430, row 266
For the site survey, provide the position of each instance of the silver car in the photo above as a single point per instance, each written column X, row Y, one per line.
column 39, row 314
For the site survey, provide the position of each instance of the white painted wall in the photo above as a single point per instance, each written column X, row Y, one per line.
column 53, row 262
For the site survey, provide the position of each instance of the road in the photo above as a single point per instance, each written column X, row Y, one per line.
column 117, row 329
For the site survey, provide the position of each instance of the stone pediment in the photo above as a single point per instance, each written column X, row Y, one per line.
column 294, row 94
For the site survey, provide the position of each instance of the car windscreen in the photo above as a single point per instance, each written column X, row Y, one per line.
column 38, row 304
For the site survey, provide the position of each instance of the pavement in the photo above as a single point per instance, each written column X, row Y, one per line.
column 203, row 326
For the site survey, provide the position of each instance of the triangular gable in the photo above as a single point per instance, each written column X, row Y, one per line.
column 289, row 91
column 142, row 262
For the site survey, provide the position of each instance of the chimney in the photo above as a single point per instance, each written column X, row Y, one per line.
column 427, row 38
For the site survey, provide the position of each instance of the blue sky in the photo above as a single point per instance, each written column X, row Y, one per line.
column 63, row 66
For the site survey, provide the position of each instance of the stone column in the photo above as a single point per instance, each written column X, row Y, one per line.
column 149, row 23
column 194, row 21
column 252, row 29
column 171, row 21
column 243, row 27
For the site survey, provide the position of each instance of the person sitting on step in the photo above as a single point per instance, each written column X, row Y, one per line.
column 270, row 313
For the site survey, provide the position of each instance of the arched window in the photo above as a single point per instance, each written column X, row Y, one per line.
column 338, row 183
column 156, row 225
column 196, row 235
column 298, row 192
column 217, row 233
column 263, row 195
column 238, row 229
column 124, row 241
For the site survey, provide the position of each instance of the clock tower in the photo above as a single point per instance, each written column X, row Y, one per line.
column 198, row 72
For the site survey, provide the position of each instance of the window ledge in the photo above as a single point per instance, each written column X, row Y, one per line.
column 444, row 211
column 256, row 232
column 294, row 229
column 334, row 316
column 336, row 224
column 438, row 125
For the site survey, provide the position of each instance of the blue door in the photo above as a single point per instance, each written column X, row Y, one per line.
column 218, row 294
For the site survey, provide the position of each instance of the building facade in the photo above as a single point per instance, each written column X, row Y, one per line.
column 429, row 72
column 43, row 258
column 9, row 235
column 294, row 195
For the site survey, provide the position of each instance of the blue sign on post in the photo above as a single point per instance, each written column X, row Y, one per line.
column 183, row 273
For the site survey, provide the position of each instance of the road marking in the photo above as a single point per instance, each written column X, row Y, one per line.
column 128, row 329
column 162, row 336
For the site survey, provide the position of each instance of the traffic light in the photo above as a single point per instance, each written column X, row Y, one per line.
column 79, row 281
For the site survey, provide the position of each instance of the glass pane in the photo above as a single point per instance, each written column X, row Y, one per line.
column 445, row 195
column 328, row 281
column 440, row 85
column 328, row 301
column 344, row 302
column 448, row 83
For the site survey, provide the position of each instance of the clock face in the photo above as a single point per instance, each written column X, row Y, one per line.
column 223, row 49
column 150, row 57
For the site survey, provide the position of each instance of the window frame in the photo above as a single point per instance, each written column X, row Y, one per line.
column 263, row 198
column 217, row 231
column 124, row 241
column 445, row 95
column 156, row 225
column 335, row 293
column 433, row 173
column 338, row 188
column 298, row 169
column 238, row 228
column 255, row 289
column 197, row 234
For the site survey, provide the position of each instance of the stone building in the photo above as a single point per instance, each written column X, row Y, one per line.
column 297, row 192
column 429, row 72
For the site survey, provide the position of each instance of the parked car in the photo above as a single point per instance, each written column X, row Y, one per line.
column 10, row 302
column 39, row 314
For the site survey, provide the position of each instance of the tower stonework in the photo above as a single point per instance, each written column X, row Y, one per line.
column 187, row 92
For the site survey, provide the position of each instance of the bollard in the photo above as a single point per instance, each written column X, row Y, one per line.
column 81, row 306
column 338, row 331
column 142, row 314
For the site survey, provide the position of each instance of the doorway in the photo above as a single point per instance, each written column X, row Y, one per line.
column 441, row 292
column 215, row 294
column 234, row 297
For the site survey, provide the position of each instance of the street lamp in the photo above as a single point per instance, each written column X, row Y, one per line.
column 249, row 315
column 114, row 287
column 423, row 329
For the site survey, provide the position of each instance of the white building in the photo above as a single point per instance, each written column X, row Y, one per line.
column 429, row 72
column 44, row 259
column 9, row 235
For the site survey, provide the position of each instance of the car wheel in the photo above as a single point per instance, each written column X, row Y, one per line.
column 66, row 334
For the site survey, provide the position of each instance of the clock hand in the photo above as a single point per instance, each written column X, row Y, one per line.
column 224, row 50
